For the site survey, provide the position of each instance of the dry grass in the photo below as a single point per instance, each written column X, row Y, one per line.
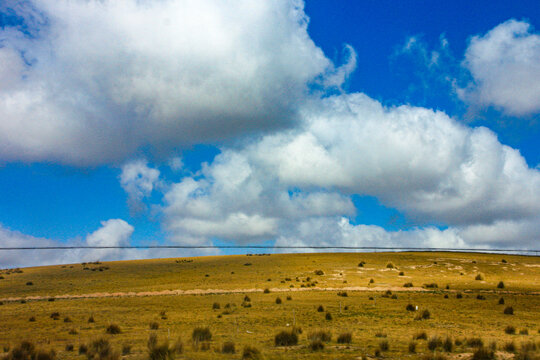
column 254, row 327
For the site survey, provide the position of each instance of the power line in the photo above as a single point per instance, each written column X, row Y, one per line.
column 255, row 247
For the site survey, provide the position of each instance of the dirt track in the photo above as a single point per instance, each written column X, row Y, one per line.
column 228, row 291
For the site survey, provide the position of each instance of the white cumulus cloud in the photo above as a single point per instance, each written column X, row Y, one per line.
column 89, row 82
column 505, row 66
column 138, row 180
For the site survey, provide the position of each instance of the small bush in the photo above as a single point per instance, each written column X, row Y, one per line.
column 316, row 345
column 448, row 345
column 216, row 306
column 523, row 332
column 29, row 283
column 322, row 335
column 412, row 347
column 446, row 296
column 101, row 349
column 83, row 349
column 319, row 272
column 384, row 346
column 458, row 342
column 228, row 348
column 508, row 310
column 67, row 319
column 328, row 316
column 434, row 342
column 510, row 330
column 420, row 336
column 510, row 347
column 247, row 298
column 278, row 300
column 345, row 338
column 320, row 308
column 408, row 285
column 380, row 334
column 501, row 301
column 401, row 273
column 528, row 346
column 73, row 332
column 480, row 297
column 479, row 277
column 126, row 349
column 431, row 286
column 91, row 319
column 50, row 299
column 27, row 350
column 459, row 295
column 500, row 285
column 286, row 338
column 159, row 351
column 342, row 293
column 201, row 334
column 113, row 329
column 69, row 347
column 154, row 325
column 475, row 342
column 371, row 281
column 483, row 354
column 251, row 353
column 390, row 265
column 377, row 353
column 289, row 297
column 424, row 315
column 266, row 291
column 32, row 319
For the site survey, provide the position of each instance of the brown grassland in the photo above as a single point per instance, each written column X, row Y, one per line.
column 172, row 297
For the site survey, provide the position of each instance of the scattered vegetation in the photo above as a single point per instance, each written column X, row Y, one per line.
column 508, row 310
column 510, row 330
column 344, row 338
column 251, row 353
column 113, row 329
column 228, row 348
column 201, row 334
column 286, row 338
column 500, row 285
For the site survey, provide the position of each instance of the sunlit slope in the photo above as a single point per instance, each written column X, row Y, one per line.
column 279, row 271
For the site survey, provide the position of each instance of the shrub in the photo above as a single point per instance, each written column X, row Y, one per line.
column 342, row 293
column 73, row 332
column 508, row 310
column 412, row 347
column 459, row 295
column 401, row 273
column 286, row 338
column 509, row 347
column 126, row 349
column 319, row 272
column 154, row 325
column 27, row 350
column 289, row 297
column 483, row 354
column 458, row 342
column 420, row 336
column 251, row 353
column 216, row 306
column 247, row 298
column 91, row 319
column 523, row 332
column 29, row 283
column 446, row 296
column 159, row 351
column 434, row 343
column 501, row 301
column 361, row 264
column 500, row 285
column 371, row 281
column 345, row 338
column 431, row 286
column 266, row 291
column 278, row 300
column 510, row 330
column 480, row 297
column 320, row 308
column 69, row 347
column 50, row 299
column 424, row 315
column 377, row 353
column 528, row 346
column 475, row 342
column 479, row 277
column 322, row 335
column 316, row 345
column 32, row 319
column 408, row 285
column 67, row 319
column 113, row 329
column 390, row 265
column 448, row 345
column 83, row 349
column 101, row 349
column 384, row 346
column 228, row 348
column 328, row 316
column 201, row 334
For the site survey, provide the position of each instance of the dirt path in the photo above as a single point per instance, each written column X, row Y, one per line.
column 228, row 291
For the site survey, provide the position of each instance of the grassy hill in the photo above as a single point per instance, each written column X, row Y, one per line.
column 460, row 291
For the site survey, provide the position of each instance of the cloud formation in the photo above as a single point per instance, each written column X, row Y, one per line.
column 91, row 82
column 138, row 180
column 297, row 184
column 505, row 66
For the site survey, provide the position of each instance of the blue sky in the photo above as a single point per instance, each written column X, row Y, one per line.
column 325, row 123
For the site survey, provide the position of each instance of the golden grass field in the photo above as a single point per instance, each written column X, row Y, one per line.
column 133, row 294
